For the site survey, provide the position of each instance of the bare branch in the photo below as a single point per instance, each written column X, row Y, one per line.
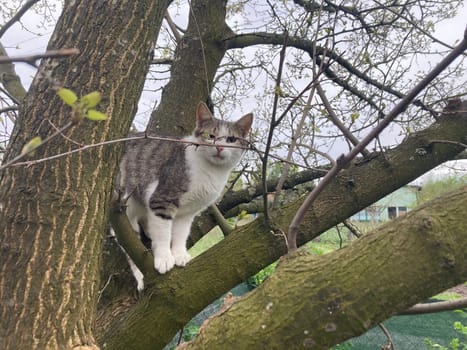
column 352, row 228
column 273, row 124
column 436, row 307
column 390, row 344
column 250, row 39
column 450, row 142
column 8, row 109
column 126, row 236
column 31, row 60
column 335, row 119
column 17, row 16
column 173, row 27
column 221, row 221
column 344, row 160
column 24, row 154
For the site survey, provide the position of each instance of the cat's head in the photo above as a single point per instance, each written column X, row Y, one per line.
column 222, row 135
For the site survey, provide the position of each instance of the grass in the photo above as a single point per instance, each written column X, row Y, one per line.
column 210, row 239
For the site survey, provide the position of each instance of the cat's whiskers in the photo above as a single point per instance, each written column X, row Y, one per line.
column 172, row 180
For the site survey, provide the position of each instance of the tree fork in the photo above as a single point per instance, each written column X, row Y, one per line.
column 182, row 293
column 54, row 213
column 316, row 302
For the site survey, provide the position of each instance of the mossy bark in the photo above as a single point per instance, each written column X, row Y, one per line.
column 10, row 80
column 316, row 302
column 182, row 293
column 54, row 213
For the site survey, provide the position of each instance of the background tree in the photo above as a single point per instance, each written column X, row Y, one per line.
column 325, row 72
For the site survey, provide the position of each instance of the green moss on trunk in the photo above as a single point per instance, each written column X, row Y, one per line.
column 182, row 293
column 316, row 302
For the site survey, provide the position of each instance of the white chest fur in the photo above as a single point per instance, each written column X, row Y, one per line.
column 206, row 184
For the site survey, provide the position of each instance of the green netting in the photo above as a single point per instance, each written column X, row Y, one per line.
column 409, row 332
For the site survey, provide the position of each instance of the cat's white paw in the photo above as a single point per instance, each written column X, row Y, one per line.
column 164, row 262
column 181, row 257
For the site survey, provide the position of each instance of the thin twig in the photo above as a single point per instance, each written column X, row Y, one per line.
column 296, row 134
column 9, row 109
column 10, row 96
column 449, row 142
column 17, row 16
column 203, row 49
column 99, row 294
column 160, row 138
column 220, row 219
column 344, row 160
column 390, row 344
column 335, row 119
column 59, row 131
column 172, row 26
column 237, row 177
column 31, row 60
column 45, row 141
column 351, row 227
column 436, row 307
column 273, row 124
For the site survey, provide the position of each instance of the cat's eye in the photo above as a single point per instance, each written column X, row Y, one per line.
column 231, row 139
column 208, row 136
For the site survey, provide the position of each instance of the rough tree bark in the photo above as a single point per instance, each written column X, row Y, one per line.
column 196, row 61
column 184, row 292
column 54, row 213
column 316, row 302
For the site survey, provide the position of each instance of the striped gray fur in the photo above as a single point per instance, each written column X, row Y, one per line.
column 168, row 182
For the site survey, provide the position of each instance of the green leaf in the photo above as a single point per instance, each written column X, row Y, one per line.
column 354, row 116
column 96, row 115
column 68, row 96
column 31, row 145
column 92, row 99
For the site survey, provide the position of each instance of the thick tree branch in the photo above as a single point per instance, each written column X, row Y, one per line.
column 197, row 56
column 184, row 292
column 345, row 159
column 324, row 302
column 49, row 280
column 10, row 80
column 127, row 238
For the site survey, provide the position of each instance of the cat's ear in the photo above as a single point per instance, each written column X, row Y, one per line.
column 203, row 114
column 244, row 123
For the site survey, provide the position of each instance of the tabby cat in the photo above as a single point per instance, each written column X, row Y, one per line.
column 169, row 183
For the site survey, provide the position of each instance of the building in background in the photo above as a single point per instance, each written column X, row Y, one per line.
column 392, row 206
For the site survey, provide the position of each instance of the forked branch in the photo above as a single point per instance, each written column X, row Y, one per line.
column 344, row 160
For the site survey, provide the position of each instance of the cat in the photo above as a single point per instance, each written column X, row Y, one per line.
column 169, row 183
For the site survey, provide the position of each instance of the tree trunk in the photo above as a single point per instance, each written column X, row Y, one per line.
column 182, row 293
column 316, row 302
column 54, row 213
column 196, row 61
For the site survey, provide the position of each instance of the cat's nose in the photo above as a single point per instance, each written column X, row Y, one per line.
column 219, row 149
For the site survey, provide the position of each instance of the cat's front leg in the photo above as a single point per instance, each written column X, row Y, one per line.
column 159, row 231
column 180, row 232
